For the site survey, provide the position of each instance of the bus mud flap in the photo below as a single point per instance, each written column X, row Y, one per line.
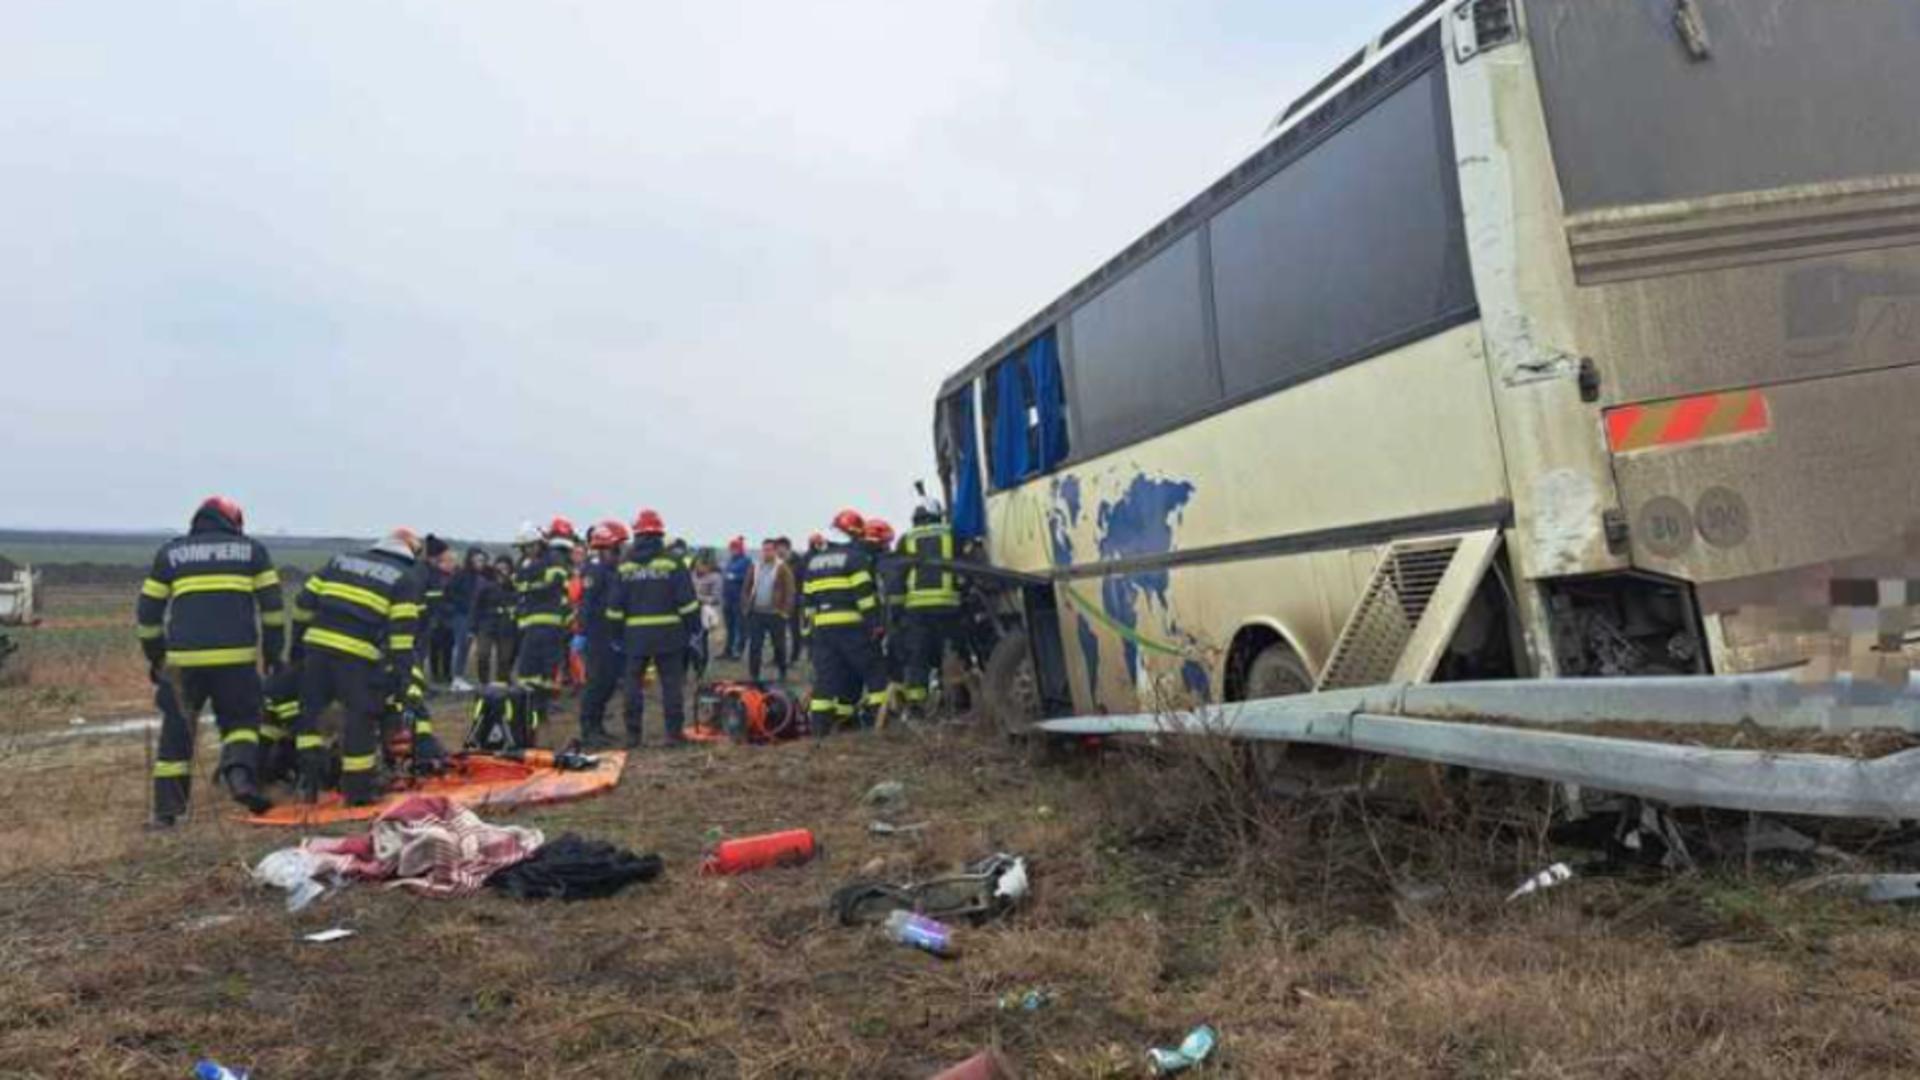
column 1412, row 605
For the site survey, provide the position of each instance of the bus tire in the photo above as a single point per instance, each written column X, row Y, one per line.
column 1009, row 689
column 1276, row 671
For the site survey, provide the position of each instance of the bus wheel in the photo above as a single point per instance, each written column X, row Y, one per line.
column 1276, row 671
column 1010, row 690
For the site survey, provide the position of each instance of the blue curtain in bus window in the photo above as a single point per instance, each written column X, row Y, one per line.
column 1050, row 399
column 969, row 502
column 1009, row 426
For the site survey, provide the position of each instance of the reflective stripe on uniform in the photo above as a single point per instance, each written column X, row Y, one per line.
column 240, row 735
column 352, row 594
column 266, row 579
column 148, row 633
column 273, row 618
column 336, row 641
column 933, row 598
column 272, row 732
column 834, row 584
column 284, row 710
column 916, row 693
column 838, row 618
column 690, row 607
column 423, row 727
column 309, row 742
column 654, row 620
column 155, row 590
column 172, row 770
column 200, row 583
column 822, row 705
column 405, row 611
column 358, row 762
column 400, row 643
column 877, row 698
column 543, row 619
column 867, row 602
column 210, row 657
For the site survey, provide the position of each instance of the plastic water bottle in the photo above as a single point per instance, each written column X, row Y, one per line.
column 213, row 1070
column 922, row 933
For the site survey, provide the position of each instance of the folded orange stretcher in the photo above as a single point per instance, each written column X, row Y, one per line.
column 476, row 781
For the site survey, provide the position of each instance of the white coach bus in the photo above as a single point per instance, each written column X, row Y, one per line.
column 1544, row 337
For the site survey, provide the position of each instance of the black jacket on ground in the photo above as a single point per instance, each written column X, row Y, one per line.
column 204, row 596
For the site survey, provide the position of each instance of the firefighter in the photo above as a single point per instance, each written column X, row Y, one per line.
column 655, row 606
column 844, row 628
column 540, row 614
column 891, row 579
column 599, row 581
column 278, row 717
column 196, row 621
column 356, row 631
column 932, row 603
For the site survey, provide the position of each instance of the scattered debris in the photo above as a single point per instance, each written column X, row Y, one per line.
column 207, row 922
column 886, row 793
column 1032, row 1000
column 213, row 1070
column 1545, row 879
column 986, row 889
column 295, row 870
column 789, row 848
column 427, row 844
column 985, row 1065
column 77, row 721
column 1193, row 1050
column 1873, row 888
column 322, row 937
column 927, row 935
column 888, row 828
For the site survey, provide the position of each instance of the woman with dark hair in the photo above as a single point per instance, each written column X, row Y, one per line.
column 491, row 617
column 460, row 590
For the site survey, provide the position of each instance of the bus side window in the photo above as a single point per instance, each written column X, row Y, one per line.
column 1026, row 412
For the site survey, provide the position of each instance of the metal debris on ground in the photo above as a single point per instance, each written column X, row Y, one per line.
column 1545, row 879
column 888, row 828
column 322, row 937
column 1194, row 1049
column 1873, row 888
column 885, row 793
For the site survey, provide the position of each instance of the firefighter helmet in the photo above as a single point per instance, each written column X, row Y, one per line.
column 649, row 523
column 850, row 522
column 607, row 535
column 878, row 532
column 228, row 510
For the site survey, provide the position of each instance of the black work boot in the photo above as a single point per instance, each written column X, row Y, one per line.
column 240, row 784
column 170, row 798
column 312, row 774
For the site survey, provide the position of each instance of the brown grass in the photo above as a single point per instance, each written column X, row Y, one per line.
column 1330, row 936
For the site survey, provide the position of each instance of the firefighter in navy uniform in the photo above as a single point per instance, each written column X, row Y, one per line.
column 656, row 608
column 599, row 581
column 210, row 615
column 278, row 717
column 891, row 580
column 541, row 615
column 356, row 627
column 932, row 603
column 844, row 629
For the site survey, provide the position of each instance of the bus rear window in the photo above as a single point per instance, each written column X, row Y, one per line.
column 1787, row 92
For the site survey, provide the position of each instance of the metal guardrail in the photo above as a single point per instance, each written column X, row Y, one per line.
column 1422, row 722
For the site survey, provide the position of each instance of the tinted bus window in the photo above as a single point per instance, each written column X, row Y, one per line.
column 1353, row 248
column 1790, row 92
column 1140, row 357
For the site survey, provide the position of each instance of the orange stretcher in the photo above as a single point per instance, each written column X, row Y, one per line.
column 476, row 781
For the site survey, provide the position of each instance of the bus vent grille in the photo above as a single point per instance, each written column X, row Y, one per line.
column 1395, row 601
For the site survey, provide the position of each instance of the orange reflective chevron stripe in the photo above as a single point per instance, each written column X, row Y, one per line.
column 1680, row 421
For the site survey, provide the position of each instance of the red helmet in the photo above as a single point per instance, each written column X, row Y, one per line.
column 849, row 522
column 878, row 532
column 561, row 527
column 649, row 523
column 228, row 510
column 608, row 534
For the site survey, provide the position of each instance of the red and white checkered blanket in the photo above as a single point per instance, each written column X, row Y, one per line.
column 429, row 845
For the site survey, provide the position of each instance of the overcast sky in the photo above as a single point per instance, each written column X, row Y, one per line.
column 458, row 264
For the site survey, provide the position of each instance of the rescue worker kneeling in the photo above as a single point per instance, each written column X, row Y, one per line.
column 843, row 623
column 655, row 606
column 355, row 624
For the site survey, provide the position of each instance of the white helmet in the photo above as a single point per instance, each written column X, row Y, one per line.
column 528, row 533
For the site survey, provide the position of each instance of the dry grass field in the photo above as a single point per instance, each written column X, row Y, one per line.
column 1339, row 936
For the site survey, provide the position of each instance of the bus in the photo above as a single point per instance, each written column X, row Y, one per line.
column 1541, row 338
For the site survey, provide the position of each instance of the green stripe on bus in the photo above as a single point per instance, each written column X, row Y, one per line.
column 1127, row 633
